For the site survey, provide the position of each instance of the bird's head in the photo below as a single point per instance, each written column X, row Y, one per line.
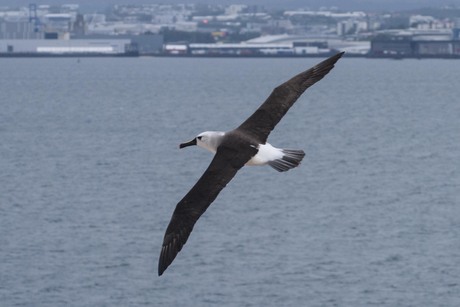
column 209, row 140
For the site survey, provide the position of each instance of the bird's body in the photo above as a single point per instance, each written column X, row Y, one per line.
column 245, row 145
column 266, row 153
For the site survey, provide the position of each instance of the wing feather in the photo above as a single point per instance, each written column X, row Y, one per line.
column 266, row 117
column 225, row 164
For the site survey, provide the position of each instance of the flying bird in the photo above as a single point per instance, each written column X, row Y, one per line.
column 245, row 145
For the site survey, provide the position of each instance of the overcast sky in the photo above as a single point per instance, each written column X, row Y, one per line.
column 90, row 5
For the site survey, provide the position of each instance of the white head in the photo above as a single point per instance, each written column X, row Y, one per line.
column 209, row 140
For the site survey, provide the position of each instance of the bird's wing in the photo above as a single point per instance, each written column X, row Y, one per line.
column 227, row 161
column 266, row 117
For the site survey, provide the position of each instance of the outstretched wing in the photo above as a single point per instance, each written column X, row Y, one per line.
column 226, row 163
column 266, row 117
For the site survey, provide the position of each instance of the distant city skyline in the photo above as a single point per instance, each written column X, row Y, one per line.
column 390, row 5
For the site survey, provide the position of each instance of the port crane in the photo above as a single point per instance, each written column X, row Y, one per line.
column 33, row 17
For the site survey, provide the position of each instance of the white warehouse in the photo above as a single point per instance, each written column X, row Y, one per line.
column 63, row 47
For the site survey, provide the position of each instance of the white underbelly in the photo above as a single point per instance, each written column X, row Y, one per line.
column 265, row 154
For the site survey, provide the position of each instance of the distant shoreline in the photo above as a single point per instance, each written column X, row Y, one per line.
column 135, row 54
column 318, row 55
column 64, row 55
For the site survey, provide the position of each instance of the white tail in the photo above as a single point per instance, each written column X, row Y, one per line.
column 290, row 159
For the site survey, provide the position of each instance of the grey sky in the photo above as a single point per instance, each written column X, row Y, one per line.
column 313, row 4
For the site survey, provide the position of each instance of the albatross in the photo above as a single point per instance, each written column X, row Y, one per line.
column 245, row 145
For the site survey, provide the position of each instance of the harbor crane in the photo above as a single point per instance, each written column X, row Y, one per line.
column 33, row 17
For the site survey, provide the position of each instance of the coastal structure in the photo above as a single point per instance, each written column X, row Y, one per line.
column 39, row 31
column 227, row 30
column 416, row 44
column 249, row 49
column 55, row 47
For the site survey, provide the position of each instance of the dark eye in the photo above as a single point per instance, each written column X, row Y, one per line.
column 199, row 137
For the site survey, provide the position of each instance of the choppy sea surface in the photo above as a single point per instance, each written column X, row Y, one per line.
column 90, row 172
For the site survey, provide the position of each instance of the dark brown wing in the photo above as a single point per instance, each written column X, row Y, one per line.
column 266, row 117
column 224, row 166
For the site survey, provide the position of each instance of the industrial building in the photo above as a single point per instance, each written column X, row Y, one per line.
column 248, row 49
column 22, row 29
column 38, row 32
column 416, row 45
column 81, row 47
column 145, row 44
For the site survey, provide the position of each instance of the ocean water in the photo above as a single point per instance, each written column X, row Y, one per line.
column 90, row 172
